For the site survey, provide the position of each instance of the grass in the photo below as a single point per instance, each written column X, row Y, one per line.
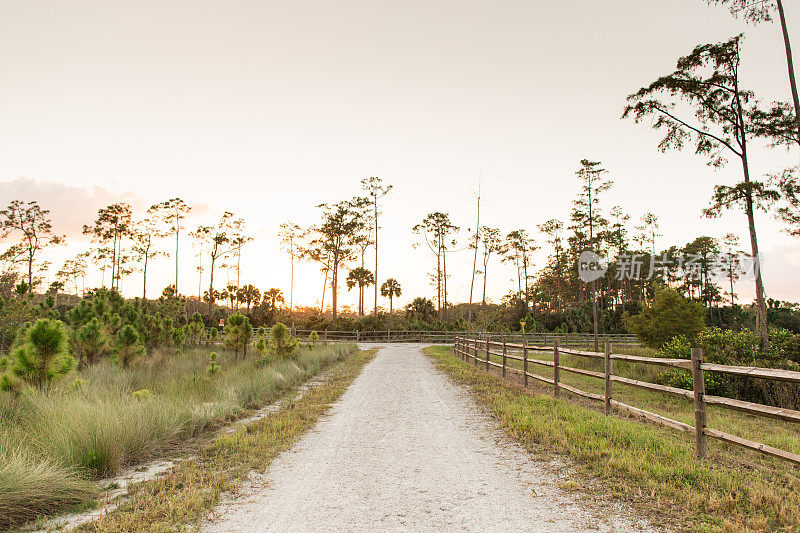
column 53, row 445
column 181, row 498
column 783, row 435
column 653, row 468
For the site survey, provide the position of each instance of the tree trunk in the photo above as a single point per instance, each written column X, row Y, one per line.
column 439, row 282
column 324, row 287
column 761, row 307
column 595, row 318
column 483, row 300
column 475, row 257
column 375, row 304
column 113, row 259
column 30, row 273
column 177, row 232
column 525, row 271
column 334, row 285
column 291, row 288
column 210, row 288
column 144, row 278
column 444, row 283
column 730, row 277
column 790, row 66
column 558, row 282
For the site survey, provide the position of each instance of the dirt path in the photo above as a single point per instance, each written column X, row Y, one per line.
column 406, row 449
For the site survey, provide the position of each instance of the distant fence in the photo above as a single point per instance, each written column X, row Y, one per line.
column 449, row 337
column 478, row 348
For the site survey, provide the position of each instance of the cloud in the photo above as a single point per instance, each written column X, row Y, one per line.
column 72, row 206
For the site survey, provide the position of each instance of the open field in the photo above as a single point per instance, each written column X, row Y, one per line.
column 52, row 445
column 653, row 467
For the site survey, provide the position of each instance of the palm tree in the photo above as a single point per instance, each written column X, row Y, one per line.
column 248, row 294
column 362, row 278
column 390, row 289
column 231, row 291
column 273, row 296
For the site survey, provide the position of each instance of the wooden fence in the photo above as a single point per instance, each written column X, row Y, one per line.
column 479, row 348
column 449, row 337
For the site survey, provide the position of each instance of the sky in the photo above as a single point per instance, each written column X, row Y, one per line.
column 269, row 108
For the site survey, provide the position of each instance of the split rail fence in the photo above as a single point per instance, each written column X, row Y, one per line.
column 480, row 349
column 449, row 337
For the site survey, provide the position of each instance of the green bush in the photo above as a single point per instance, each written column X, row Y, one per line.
column 91, row 341
column 281, row 342
column 42, row 355
column 141, row 395
column 669, row 316
column 238, row 333
column 313, row 338
column 213, row 366
column 128, row 346
column 195, row 328
column 737, row 348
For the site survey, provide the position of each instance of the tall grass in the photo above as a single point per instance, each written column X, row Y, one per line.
column 53, row 444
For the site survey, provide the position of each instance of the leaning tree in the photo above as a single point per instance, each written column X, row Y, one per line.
column 707, row 82
column 782, row 122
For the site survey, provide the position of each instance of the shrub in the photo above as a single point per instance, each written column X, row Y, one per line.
column 238, row 333
column 42, row 356
column 128, row 346
column 141, row 395
column 738, row 348
column 178, row 338
column 669, row 316
column 211, row 340
column 313, row 338
column 91, row 341
column 213, row 367
column 281, row 341
column 195, row 328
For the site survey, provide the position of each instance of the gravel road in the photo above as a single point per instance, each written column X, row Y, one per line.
column 406, row 449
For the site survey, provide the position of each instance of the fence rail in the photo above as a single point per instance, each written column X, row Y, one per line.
column 449, row 337
column 477, row 348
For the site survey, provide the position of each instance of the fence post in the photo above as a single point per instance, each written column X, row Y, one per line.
column 358, row 335
column 701, row 438
column 487, row 352
column 326, row 335
column 475, row 351
column 388, row 335
column 525, row 359
column 504, row 355
column 556, row 371
column 608, row 379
